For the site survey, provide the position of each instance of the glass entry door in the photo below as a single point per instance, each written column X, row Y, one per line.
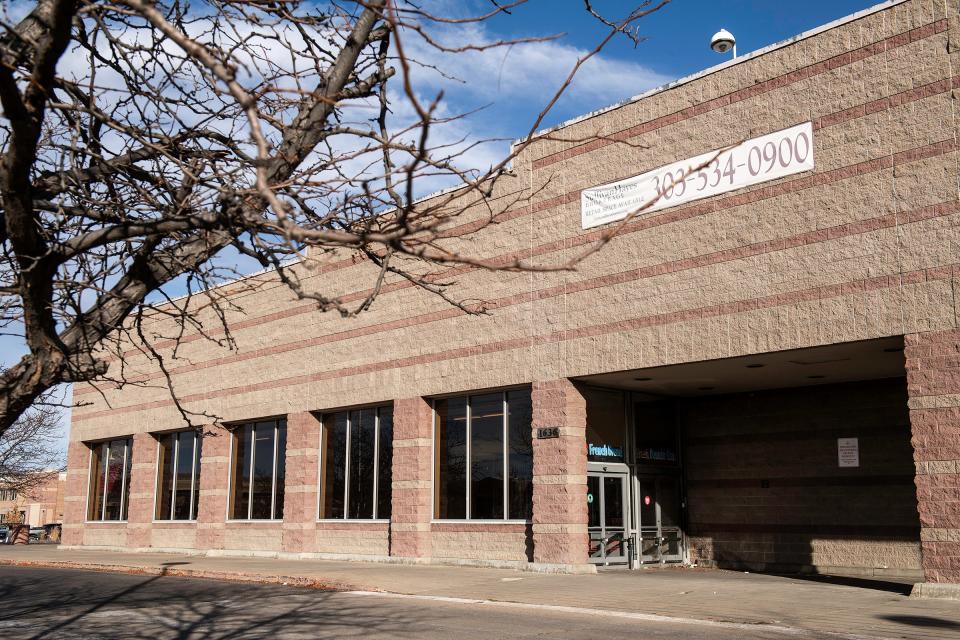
column 661, row 537
column 608, row 518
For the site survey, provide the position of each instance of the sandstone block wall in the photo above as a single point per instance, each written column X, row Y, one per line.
column 864, row 246
column 933, row 375
column 765, row 492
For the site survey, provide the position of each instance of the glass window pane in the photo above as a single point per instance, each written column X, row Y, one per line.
column 612, row 502
column 114, row 488
column 197, row 451
column 95, row 501
column 656, row 433
column 385, row 463
column 450, row 484
column 242, row 442
column 520, row 450
column 184, row 471
column 363, row 430
column 333, row 455
column 126, row 479
column 165, row 476
column 261, row 496
column 486, row 456
column 606, row 425
column 281, row 468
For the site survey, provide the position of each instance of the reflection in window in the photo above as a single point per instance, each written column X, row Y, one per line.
column 258, row 469
column 356, row 453
column 110, row 464
column 178, row 476
column 479, row 442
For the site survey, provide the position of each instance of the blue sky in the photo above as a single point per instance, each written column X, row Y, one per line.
column 676, row 44
column 513, row 84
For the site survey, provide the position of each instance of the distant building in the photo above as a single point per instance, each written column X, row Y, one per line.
column 39, row 507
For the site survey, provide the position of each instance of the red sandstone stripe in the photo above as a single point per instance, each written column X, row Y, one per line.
column 746, row 93
column 856, row 530
column 736, row 253
column 728, row 308
column 829, row 120
column 485, row 527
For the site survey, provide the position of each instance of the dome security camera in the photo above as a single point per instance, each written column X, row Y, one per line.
column 723, row 41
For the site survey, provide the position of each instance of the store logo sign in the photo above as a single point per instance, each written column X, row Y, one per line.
column 604, row 451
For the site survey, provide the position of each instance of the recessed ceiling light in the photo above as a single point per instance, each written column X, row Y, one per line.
column 643, row 379
column 755, row 365
column 816, row 377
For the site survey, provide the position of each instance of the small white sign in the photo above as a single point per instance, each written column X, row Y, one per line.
column 848, row 452
column 768, row 157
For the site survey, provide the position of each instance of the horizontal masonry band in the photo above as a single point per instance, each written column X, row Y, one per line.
column 832, row 119
column 778, row 82
column 819, row 481
column 735, row 253
column 853, row 531
column 797, row 435
column 852, row 287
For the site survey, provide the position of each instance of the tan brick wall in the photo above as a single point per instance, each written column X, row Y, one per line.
column 933, row 374
column 560, row 474
column 765, row 492
column 862, row 247
column 412, row 478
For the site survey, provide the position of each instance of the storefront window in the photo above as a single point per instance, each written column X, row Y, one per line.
column 178, row 475
column 606, row 426
column 656, row 433
column 258, row 464
column 356, row 449
column 110, row 464
column 483, row 457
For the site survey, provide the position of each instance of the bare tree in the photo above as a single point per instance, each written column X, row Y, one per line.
column 30, row 450
column 144, row 138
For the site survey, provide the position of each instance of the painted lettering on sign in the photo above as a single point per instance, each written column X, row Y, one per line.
column 768, row 157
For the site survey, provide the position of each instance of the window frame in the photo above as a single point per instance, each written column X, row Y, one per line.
column 194, row 478
column 233, row 429
column 124, row 487
column 506, row 519
column 346, row 466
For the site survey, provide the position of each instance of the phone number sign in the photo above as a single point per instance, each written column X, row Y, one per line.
column 768, row 157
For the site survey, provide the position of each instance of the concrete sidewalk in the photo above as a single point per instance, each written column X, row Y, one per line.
column 881, row 610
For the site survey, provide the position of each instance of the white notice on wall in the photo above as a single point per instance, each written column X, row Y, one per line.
column 768, row 157
column 848, row 452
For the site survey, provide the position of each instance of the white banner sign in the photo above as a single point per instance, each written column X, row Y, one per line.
column 768, row 157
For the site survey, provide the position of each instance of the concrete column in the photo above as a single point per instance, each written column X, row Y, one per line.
column 412, row 478
column 933, row 384
column 214, row 486
column 140, row 499
column 75, row 493
column 300, row 484
column 560, row 477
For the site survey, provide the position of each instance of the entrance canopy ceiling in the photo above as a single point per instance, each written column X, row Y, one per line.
column 847, row 362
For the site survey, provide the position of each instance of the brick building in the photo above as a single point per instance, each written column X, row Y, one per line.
column 759, row 372
column 37, row 507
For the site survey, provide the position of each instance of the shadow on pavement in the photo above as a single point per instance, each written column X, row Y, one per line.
column 65, row 604
column 924, row 621
column 902, row 588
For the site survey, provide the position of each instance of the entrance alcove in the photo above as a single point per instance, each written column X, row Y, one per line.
column 755, row 478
